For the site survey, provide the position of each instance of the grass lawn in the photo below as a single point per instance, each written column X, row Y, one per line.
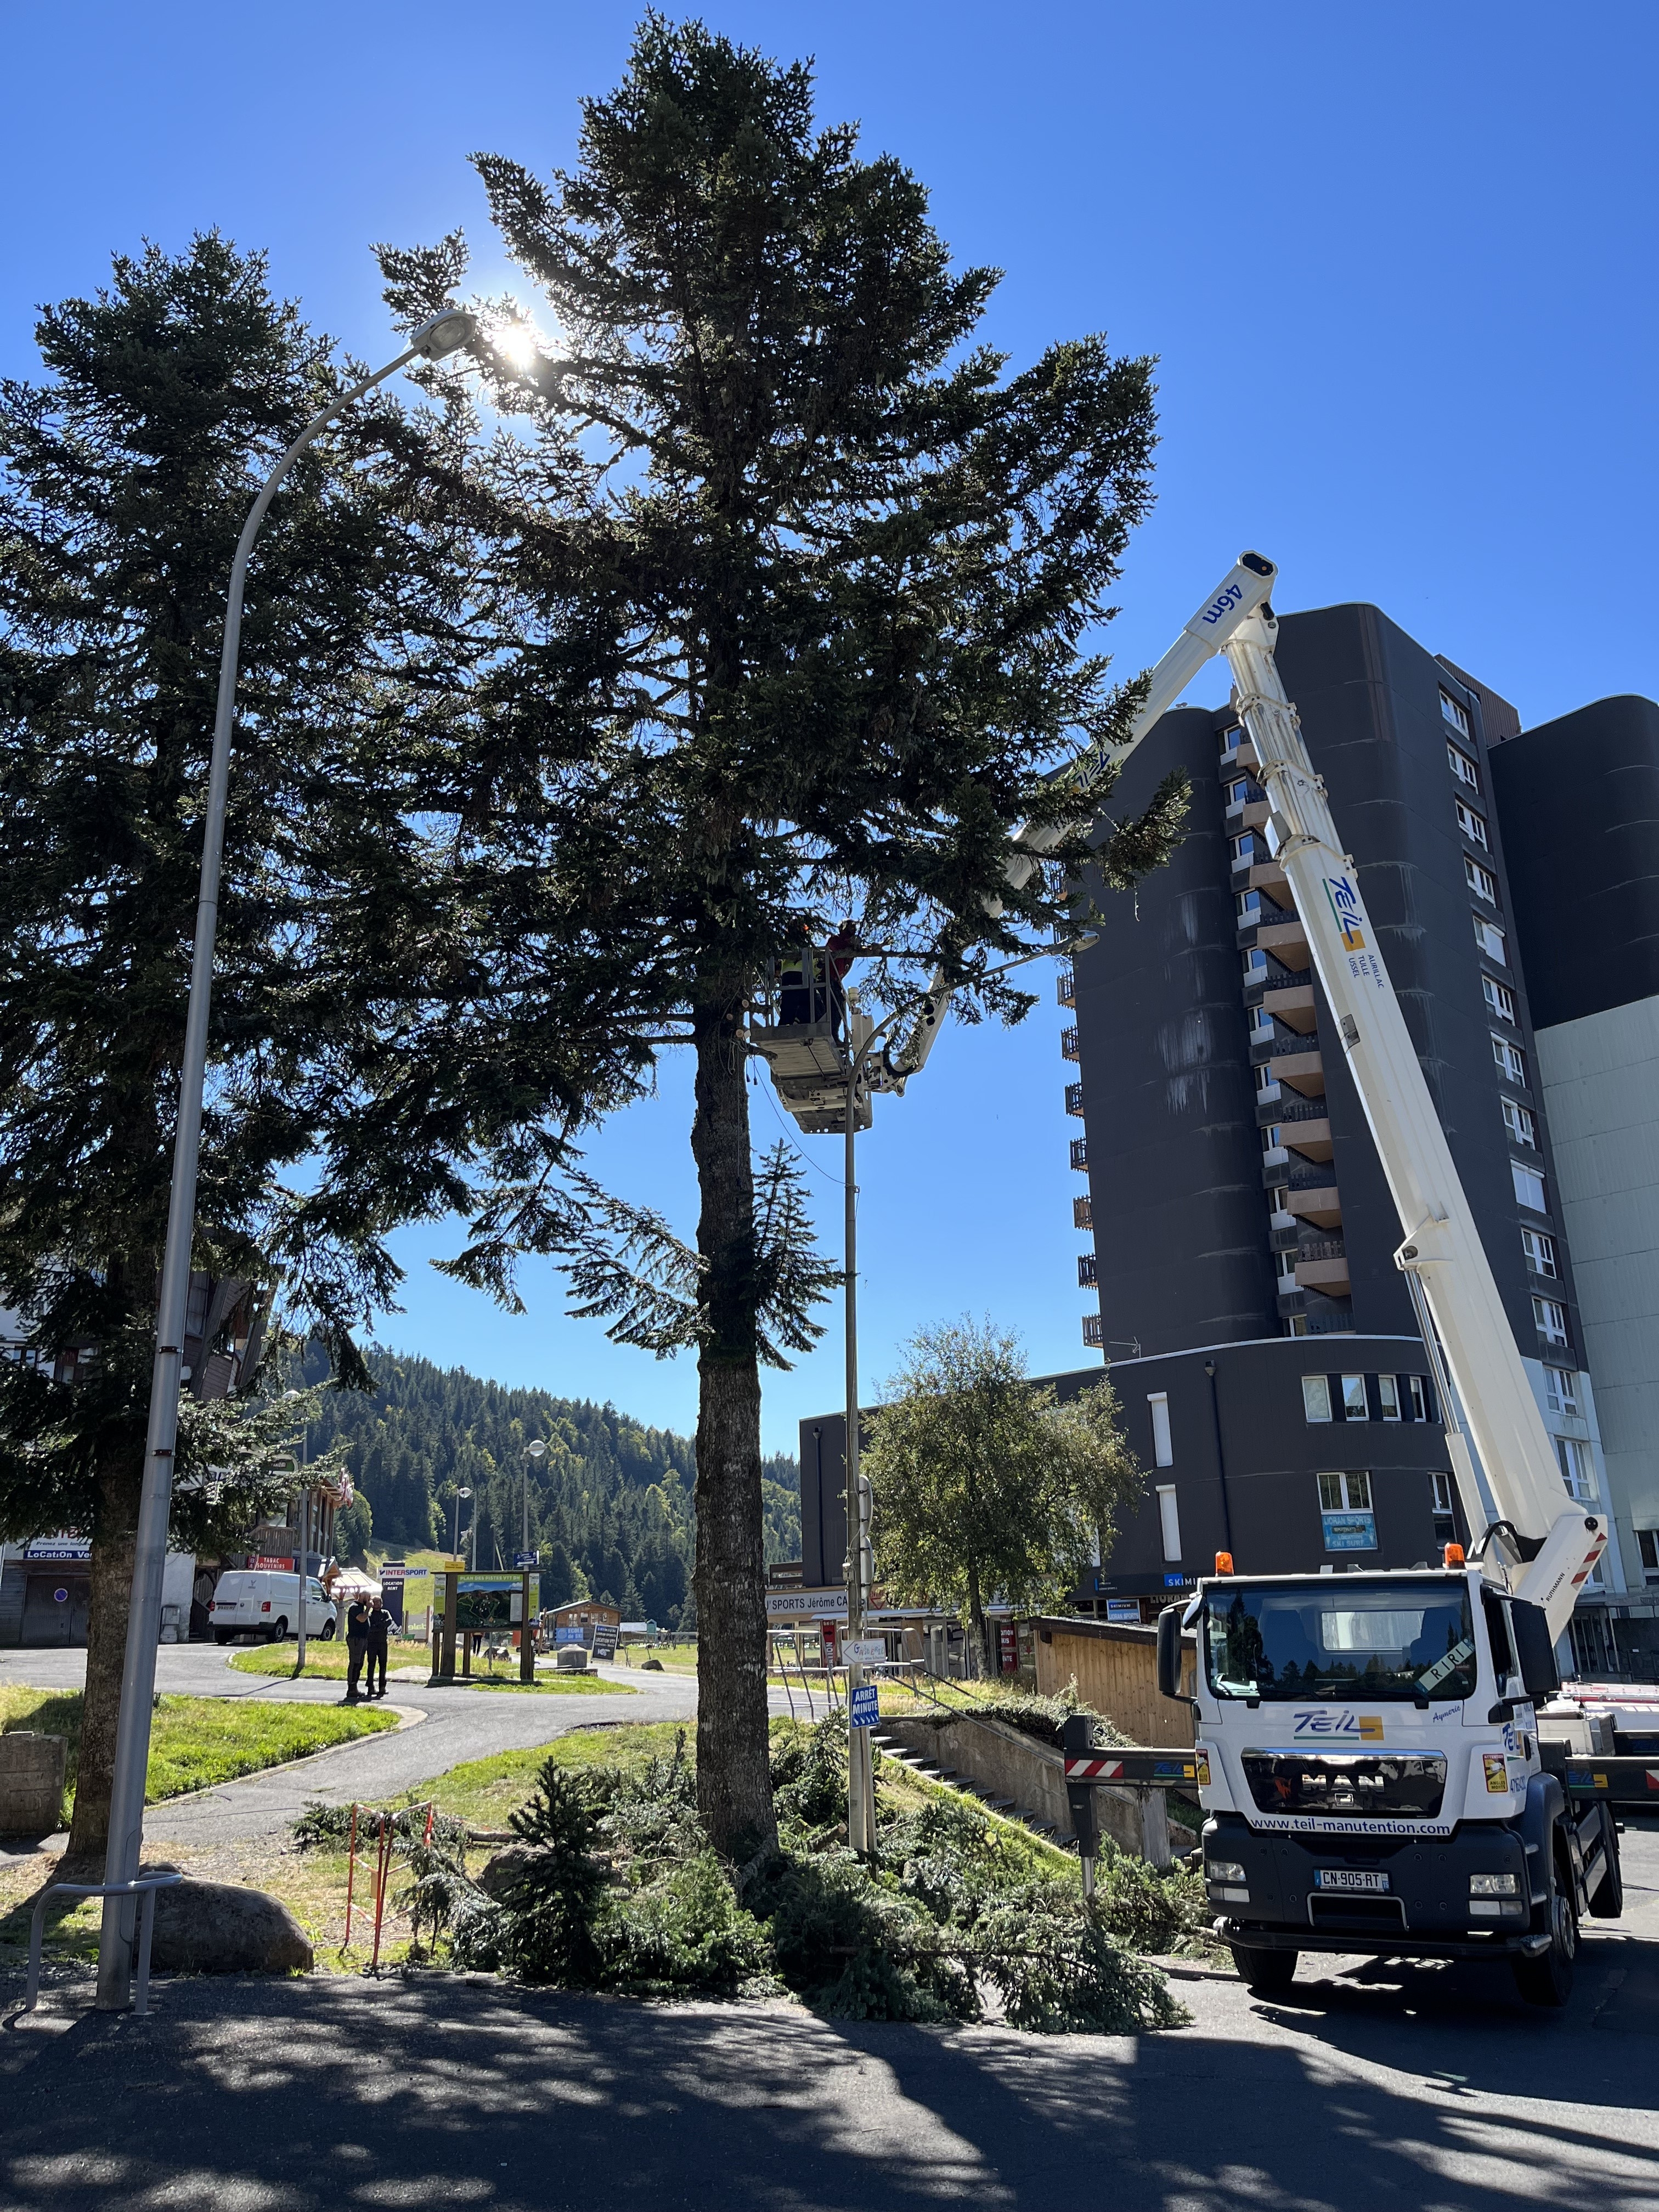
column 198, row 1741
column 324, row 1662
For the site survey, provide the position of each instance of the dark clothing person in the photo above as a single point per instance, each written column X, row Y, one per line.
column 380, row 1628
column 356, row 1646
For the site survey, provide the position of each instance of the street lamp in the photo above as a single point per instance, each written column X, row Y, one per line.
column 536, row 1450
column 455, row 1541
column 441, row 335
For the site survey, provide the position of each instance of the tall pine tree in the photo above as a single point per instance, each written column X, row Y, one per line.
column 786, row 582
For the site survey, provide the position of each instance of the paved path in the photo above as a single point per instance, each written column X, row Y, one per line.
column 455, row 1724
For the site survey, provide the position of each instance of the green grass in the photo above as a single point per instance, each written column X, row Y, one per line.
column 583, row 1686
column 324, row 1662
column 196, row 1742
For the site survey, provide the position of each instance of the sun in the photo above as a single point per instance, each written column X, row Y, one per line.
column 519, row 344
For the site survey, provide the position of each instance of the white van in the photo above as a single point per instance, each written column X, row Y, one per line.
column 262, row 1602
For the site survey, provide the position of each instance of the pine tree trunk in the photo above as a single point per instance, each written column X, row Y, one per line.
column 114, row 1550
column 734, row 1789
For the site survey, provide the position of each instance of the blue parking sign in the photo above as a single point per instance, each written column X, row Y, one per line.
column 866, row 1713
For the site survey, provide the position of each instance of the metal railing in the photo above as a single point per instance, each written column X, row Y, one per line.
column 145, row 1886
column 1323, row 1247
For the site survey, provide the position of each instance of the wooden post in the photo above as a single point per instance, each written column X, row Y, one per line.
column 526, row 1635
column 446, row 1667
column 351, row 1876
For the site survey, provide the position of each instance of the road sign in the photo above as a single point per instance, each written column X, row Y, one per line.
column 523, row 1559
column 864, row 1651
column 866, row 1709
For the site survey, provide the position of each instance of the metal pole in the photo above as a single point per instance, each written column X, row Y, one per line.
column 860, row 1824
column 303, row 1561
column 126, row 1820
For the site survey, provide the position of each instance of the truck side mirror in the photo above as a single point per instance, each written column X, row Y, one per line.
column 1168, row 1653
column 1535, row 1648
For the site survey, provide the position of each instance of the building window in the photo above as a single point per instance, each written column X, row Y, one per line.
column 1540, row 1254
column 1528, row 1187
column 1647, row 1543
column 1316, row 1397
column 1169, row 1520
column 1481, row 881
column 1463, row 768
column 1272, row 1138
column 1417, row 1397
column 1440, row 1486
column 1261, row 1024
column 1552, row 1320
column 1248, row 907
column 1278, row 1199
column 1473, row 826
column 1578, row 1470
column 1236, row 792
column 1387, row 1392
column 1511, row 1059
column 1499, row 997
column 1344, row 1511
column 1264, row 1082
column 1561, row 1390
column 1452, row 713
column 1255, row 965
column 1490, row 938
column 1157, row 1403
column 1243, row 850
column 1518, row 1120
column 1297, row 1325
column 1285, row 1263
column 1230, row 743
column 1354, row 1406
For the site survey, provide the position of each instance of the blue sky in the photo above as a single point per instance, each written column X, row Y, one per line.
column 1398, row 264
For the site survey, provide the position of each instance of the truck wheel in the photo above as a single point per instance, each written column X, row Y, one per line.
column 1547, row 1980
column 1265, row 1973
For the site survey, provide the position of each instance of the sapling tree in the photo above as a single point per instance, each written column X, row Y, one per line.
column 782, row 591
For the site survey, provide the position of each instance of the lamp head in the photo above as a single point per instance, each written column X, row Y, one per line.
column 537, row 1449
column 445, row 332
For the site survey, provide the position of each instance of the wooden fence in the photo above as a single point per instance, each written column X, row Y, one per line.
column 1115, row 1668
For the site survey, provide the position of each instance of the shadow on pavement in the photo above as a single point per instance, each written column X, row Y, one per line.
column 287, row 2096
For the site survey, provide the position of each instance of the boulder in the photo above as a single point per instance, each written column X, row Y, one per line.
column 504, row 1873
column 218, row 1928
column 572, row 1659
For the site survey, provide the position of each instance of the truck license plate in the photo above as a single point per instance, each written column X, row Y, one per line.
column 1346, row 1878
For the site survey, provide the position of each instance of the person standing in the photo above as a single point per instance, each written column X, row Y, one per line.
column 380, row 1628
column 356, row 1645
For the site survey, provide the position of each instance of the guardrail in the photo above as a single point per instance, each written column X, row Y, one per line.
column 145, row 1886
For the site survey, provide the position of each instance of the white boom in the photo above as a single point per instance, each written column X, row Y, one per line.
column 1465, row 1328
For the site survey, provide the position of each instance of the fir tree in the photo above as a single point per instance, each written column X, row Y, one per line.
column 785, row 585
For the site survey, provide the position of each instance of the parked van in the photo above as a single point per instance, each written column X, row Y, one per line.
column 259, row 1601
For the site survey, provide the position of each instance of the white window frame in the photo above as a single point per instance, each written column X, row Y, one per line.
column 1441, row 1493
column 1561, row 1390
column 1254, row 962
column 1451, row 712
column 1169, row 1522
column 1511, row 1058
column 1499, row 997
column 1417, row 1389
column 1316, row 1393
column 1490, row 940
column 1577, row 1465
column 1272, row 1137
column 1527, row 1181
column 1473, row 826
column 1353, row 1493
column 1388, row 1391
column 1550, row 1319
column 1242, row 848
column 1158, row 1409
column 1364, row 1413
column 1518, row 1120
column 1463, row 768
column 1481, row 881
column 1247, row 905
column 1540, row 1254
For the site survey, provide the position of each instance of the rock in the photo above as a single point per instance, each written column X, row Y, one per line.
column 572, row 1659
column 504, row 1873
column 651, row 1667
column 218, row 1928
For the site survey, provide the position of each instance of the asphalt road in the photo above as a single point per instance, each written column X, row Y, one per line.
column 1385, row 2088
column 453, row 1725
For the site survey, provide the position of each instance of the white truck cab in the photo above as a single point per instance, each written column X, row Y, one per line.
column 265, row 1602
column 1370, row 1768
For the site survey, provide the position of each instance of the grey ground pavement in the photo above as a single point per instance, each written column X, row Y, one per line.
column 1371, row 2084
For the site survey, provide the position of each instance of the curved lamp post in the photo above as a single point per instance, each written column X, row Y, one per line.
column 536, row 1449
column 441, row 335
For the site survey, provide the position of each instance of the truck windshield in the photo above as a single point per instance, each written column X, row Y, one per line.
column 1404, row 1640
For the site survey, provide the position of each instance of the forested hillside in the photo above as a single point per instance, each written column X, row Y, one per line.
column 610, row 1504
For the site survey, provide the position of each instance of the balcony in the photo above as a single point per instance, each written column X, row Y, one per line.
column 1303, row 1071
column 1321, row 1264
column 1274, row 1163
column 1083, row 1214
column 1080, row 1154
column 1308, row 1135
column 1066, row 988
column 1088, row 1271
column 1093, row 1331
column 1286, row 939
column 1068, row 1044
column 1268, row 876
column 1321, row 1203
column 1294, row 1007
column 1074, row 1099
